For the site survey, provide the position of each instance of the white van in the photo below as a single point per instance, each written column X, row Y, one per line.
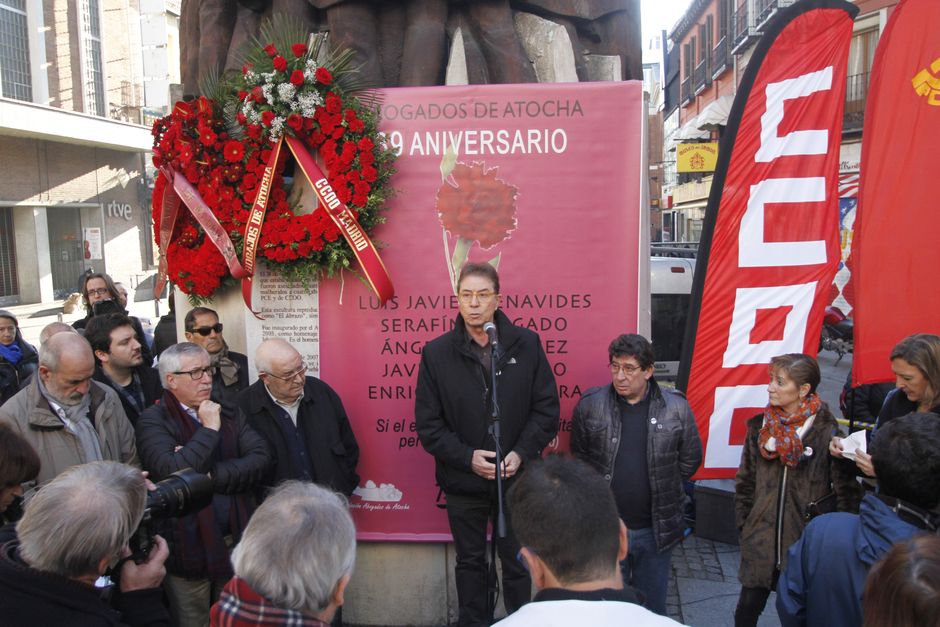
column 670, row 294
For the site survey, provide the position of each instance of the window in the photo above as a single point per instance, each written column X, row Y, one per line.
column 93, row 70
column 14, row 51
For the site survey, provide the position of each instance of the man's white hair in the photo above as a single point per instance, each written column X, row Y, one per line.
column 298, row 545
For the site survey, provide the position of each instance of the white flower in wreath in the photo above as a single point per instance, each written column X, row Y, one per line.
column 268, row 92
column 277, row 126
column 250, row 77
column 286, row 91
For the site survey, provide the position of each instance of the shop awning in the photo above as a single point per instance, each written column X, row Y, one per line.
column 714, row 114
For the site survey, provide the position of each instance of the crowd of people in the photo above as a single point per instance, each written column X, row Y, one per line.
column 265, row 537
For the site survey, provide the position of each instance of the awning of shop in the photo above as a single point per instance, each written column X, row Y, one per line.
column 715, row 114
column 688, row 131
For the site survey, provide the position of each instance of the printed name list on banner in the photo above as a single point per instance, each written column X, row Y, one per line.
column 543, row 180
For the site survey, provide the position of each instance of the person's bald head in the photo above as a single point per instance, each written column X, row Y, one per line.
column 66, row 365
column 282, row 369
column 53, row 328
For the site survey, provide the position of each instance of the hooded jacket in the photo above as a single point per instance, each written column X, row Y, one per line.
column 30, row 415
column 825, row 575
column 452, row 410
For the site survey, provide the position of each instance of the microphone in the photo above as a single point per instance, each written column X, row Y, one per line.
column 490, row 329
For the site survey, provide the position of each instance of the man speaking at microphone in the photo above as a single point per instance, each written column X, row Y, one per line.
column 454, row 416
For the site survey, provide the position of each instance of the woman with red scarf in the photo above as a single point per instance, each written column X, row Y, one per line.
column 785, row 469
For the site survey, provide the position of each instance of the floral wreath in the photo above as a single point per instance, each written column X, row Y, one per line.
column 221, row 145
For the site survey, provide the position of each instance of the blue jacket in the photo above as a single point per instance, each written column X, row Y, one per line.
column 825, row 574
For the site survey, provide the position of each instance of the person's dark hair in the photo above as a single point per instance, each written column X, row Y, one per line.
column 484, row 270
column 903, row 589
column 799, row 367
column 632, row 345
column 906, row 456
column 18, row 460
column 922, row 350
column 189, row 321
column 108, row 282
column 565, row 513
column 99, row 328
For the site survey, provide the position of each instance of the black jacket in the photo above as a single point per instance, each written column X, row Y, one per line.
column 149, row 381
column 227, row 395
column 673, row 451
column 30, row 598
column 14, row 378
column 451, row 409
column 164, row 334
column 327, row 433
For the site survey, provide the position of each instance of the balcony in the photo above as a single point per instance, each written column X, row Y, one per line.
column 764, row 10
column 685, row 91
column 720, row 58
column 856, row 93
column 743, row 32
column 701, row 78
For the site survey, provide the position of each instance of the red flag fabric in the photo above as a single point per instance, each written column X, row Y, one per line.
column 770, row 243
column 896, row 246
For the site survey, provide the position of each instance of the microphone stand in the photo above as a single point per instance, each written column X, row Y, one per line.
column 500, row 530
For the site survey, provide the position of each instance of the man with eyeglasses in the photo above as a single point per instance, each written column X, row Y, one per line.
column 453, row 416
column 302, row 419
column 66, row 416
column 231, row 369
column 101, row 295
column 642, row 438
column 189, row 430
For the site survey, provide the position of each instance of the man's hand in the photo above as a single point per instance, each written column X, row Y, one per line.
column 511, row 464
column 210, row 415
column 863, row 461
column 482, row 465
column 835, row 447
column 148, row 575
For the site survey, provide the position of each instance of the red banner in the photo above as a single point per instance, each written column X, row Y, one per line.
column 770, row 242
column 544, row 180
column 895, row 247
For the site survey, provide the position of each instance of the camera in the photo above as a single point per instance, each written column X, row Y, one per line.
column 183, row 492
column 105, row 307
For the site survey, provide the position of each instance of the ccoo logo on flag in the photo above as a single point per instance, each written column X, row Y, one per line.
column 927, row 83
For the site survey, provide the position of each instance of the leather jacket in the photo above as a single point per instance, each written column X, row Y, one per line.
column 674, row 450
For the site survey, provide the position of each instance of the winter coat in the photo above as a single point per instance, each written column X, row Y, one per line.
column 827, row 567
column 896, row 405
column 31, row 416
column 227, row 395
column 673, row 451
column 321, row 418
column 13, row 378
column 452, row 410
column 149, row 381
column 770, row 498
column 30, row 598
column 240, row 606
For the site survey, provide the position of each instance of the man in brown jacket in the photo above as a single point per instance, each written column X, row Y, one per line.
column 66, row 416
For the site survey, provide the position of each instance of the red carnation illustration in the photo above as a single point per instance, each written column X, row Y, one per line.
column 474, row 205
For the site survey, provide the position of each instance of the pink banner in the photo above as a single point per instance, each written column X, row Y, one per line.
column 544, row 179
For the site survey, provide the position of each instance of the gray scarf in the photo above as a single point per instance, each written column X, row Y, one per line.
column 75, row 418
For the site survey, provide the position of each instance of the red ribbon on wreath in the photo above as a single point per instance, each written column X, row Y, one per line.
column 178, row 191
column 345, row 220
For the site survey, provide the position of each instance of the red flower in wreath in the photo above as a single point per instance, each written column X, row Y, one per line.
column 234, row 151
column 297, row 78
column 270, row 50
column 299, row 50
column 295, row 121
column 280, row 63
column 323, row 76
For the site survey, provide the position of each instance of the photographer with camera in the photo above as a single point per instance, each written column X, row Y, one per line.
column 101, row 296
column 47, row 577
column 189, row 430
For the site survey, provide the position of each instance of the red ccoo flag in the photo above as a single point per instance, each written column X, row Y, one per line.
column 896, row 246
column 770, row 242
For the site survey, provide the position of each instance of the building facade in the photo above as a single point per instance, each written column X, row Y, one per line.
column 75, row 141
column 712, row 44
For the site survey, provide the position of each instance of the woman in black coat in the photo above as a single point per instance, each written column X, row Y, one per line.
column 18, row 359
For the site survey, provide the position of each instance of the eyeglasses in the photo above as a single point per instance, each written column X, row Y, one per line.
column 483, row 297
column 10, row 329
column 99, row 291
column 627, row 369
column 197, row 373
column 289, row 377
column 205, row 331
